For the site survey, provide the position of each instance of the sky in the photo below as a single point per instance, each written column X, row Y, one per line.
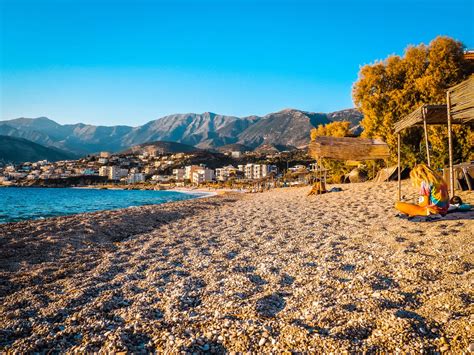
column 112, row 62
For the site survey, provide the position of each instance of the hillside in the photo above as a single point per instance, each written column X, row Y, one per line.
column 288, row 127
column 208, row 130
column 161, row 147
column 17, row 150
column 235, row 147
column 269, row 148
column 77, row 138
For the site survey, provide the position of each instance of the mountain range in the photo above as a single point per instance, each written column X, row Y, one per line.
column 208, row 130
column 18, row 150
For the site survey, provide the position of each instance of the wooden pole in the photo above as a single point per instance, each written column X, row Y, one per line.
column 399, row 170
column 426, row 137
column 326, row 177
column 323, row 178
column 319, row 176
column 450, row 145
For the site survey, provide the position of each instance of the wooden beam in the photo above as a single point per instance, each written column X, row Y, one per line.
column 399, row 170
column 425, row 128
column 450, row 145
column 348, row 148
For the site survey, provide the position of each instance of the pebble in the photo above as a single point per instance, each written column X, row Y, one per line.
column 123, row 291
column 444, row 348
column 205, row 347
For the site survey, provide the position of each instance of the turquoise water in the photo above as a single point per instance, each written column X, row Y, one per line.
column 19, row 204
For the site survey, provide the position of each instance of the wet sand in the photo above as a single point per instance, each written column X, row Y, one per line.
column 260, row 272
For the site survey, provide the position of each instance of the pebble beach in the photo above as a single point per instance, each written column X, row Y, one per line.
column 266, row 272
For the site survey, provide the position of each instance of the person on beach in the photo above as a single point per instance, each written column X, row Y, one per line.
column 434, row 197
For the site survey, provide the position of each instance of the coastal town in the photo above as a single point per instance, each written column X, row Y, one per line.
column 153, row 169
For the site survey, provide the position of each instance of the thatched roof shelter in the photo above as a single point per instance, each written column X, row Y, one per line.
column 461, row 107
column 433, row 114
column 348, row 148
column 345, row 148
column 459, row 110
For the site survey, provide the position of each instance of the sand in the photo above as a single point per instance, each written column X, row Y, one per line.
column 263, row 272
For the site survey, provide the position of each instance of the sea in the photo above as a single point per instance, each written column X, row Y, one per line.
column 29, row 203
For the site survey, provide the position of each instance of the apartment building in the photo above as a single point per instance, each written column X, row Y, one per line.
column 133, row 178
column 113, row 172
column 257, row 171
column 223, row 174
column 189, row 170
column 179, row 174
column 202, row 175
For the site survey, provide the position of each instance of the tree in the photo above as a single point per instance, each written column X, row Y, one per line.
column 333, row 129
column 388, row 90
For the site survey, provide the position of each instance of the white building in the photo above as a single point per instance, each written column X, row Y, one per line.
column 104, row 171
column 189, row 170
column 257, row 171
column 115, row 173
column 202, row 175
column 223, row 174
column 236, row 154
column 179, row 174
column 135, row 177
column 112, row 172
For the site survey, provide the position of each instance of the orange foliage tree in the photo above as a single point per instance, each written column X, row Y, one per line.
column 333, row 129
column 388, row 90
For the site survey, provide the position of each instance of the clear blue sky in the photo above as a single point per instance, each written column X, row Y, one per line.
column 127, row 62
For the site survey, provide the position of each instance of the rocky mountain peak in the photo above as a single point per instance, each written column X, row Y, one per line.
column 288, row 127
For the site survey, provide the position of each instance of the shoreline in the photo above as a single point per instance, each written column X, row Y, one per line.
column 270, row 272
column 194, row 194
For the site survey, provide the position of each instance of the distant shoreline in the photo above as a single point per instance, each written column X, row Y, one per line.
column 45, row 204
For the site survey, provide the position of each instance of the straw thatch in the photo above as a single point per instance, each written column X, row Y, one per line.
column 462, row 101
column 348, row 148
column 434, row 114
column 462, row 109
